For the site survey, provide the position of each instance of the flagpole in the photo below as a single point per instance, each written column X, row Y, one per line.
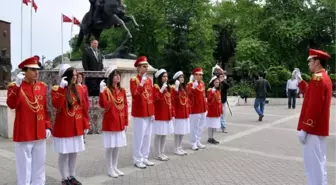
column 21, row 27
column 62, row 36
column 31, row 28
column 71, row 34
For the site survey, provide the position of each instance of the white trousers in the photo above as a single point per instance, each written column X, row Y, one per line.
column 314, row 156
column 142, row 132
column 30, row 158
column 197, row 122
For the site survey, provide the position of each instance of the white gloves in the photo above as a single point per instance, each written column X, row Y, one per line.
column 213, row 89
column 19, row 78
column 195, row 84
column 143, row 79
column 86, row 131
column 177, row 84
column 63, row 83
column 48, row 133
column 164, row 86
column 302, row 136
column 298, row 74
column 102, row 86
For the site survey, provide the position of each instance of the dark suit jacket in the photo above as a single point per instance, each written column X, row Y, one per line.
column 90, row 62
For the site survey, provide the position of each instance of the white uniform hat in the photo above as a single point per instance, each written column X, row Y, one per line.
column 212, row 79
column 62, row 69
column 177, row 74
column 159, row 72
column 110, row 70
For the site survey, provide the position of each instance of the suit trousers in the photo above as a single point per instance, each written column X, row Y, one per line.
column 142, row 132
column 30, row 158
column 197, row 122
column 314, row 157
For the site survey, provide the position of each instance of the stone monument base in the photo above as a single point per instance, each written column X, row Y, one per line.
column 7, row 117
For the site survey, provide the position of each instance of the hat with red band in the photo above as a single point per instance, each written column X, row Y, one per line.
column 313, row 53
column 31, row 62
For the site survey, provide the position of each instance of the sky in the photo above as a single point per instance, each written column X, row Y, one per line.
column 46, row 26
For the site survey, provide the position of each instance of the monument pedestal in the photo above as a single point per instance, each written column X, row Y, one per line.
column 7, row 117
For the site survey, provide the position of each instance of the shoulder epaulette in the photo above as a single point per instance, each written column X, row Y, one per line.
column 172, row 86
column 156, row 86
column 190, row 82
column 11, row 84
column 134, row 78
column 55, row 87
column 43, row 83
column 209, row 89
column 317, row 76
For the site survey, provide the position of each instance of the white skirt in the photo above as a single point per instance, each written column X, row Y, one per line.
column 163, row 127
column 67, row 145
column 114, row 139
column 182, row 126
column 212, row 122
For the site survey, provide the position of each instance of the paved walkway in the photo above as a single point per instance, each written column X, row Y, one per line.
column 251, row 153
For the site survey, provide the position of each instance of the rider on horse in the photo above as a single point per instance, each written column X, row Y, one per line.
column 97, row 8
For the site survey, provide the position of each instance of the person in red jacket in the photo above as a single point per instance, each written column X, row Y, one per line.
column 181, row 113
column 314, row 119
column 163, row 123
column 71, row 122
column 142, row 113
column 80, row 82
column 196, row 93
column 214, row 109
column 112, row 99
column 32, row 124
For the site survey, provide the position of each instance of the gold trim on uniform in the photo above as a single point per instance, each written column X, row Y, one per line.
column 40, row 117
column 37, row 88
column 309, row 122
column 55, row 87
column 11, row 84
column 78, row 116
column 317, row 76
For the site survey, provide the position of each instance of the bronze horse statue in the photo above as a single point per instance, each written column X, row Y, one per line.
column 112, row 14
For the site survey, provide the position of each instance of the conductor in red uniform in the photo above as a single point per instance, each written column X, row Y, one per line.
column 32, row 125
column 196, row 93
column 142, row 113
column 313, row 124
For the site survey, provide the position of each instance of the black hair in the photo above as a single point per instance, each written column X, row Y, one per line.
column 212, row 84
column 110, row 79
column 159, row 81
column 71, row 87
column 182, row 85
column 81, row 74
column 25, row 69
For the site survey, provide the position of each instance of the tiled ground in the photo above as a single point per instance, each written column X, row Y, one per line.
column 251, row 153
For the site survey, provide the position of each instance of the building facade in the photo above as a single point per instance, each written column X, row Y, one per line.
column 5, row 54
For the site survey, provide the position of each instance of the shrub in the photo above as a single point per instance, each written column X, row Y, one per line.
column 332, row 76
column 242, row 89
column 277, row 75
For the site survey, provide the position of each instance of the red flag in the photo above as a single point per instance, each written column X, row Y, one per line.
column 26, row 2
column 76, row 21
column 34, row 5
column 66, row 18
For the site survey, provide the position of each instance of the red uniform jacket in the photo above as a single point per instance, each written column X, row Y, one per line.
column 197, row 98
column 315, row 113
column 180, row 100
column 69, row 122
column 86, row 94
column 31, row 113
column 163, row 104
column 215, row 108
column 142, row 97
column 115, row 109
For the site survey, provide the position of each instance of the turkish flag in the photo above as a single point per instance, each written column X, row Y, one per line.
column 34, row 5
column 26, row 2
column 76, row 21
column 66, row 18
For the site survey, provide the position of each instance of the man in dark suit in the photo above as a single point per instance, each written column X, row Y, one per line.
column 92, row 59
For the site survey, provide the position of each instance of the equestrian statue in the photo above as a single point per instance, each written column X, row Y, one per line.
column 104, row 14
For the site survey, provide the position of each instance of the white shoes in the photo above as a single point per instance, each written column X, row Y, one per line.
column 200, row 146
column 184, row 152
column 120, row 173
column 111, row 172
column 148, row 163
column 140, row 165
column 178, row 152
column 194, row 147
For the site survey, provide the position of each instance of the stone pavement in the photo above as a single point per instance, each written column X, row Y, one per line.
column 251, row 153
